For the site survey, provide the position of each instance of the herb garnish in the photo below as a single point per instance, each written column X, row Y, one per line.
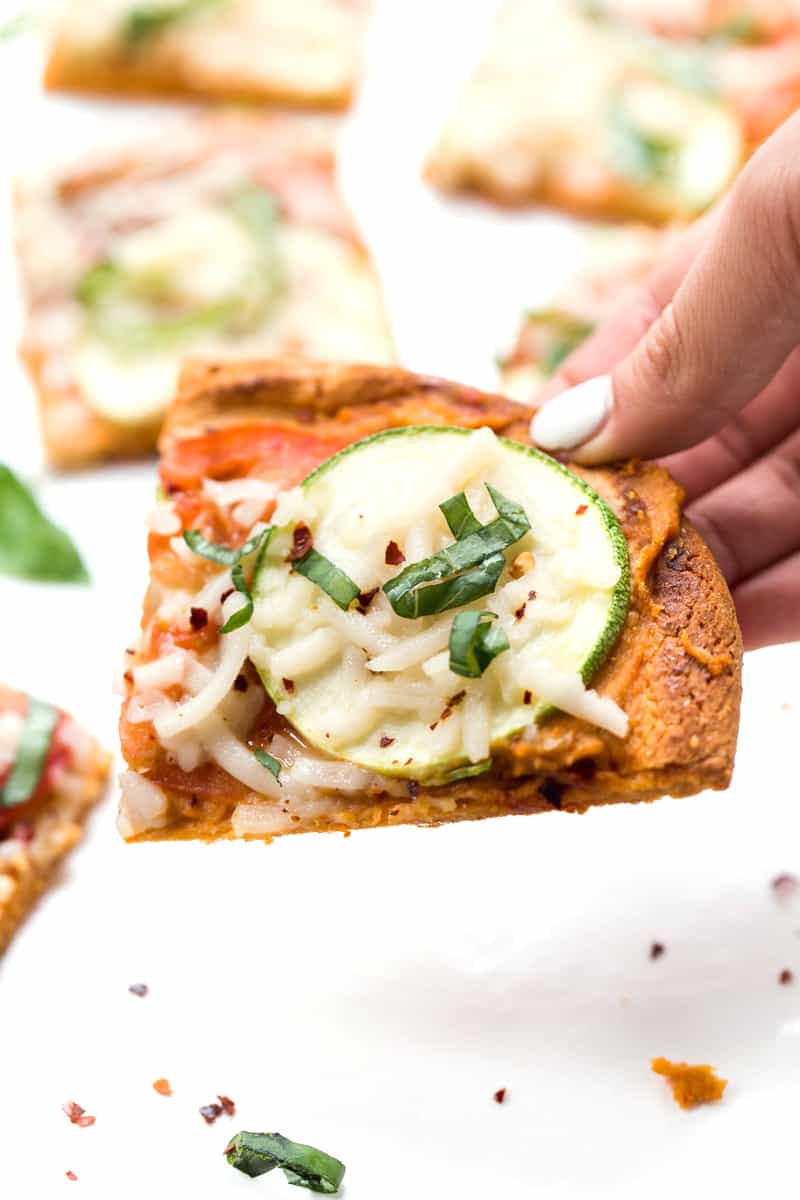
column 326, row 575
column 567, row 333
column 31, row 546
column 474, row 643
column 645, row 155
column 460, row 518
column 228, row 556
column 269, row 762
column 257, row 1153
column 31, row 756
column 146, row 22
column 465, row 571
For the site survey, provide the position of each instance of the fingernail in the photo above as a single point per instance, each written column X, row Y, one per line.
column 572, row 418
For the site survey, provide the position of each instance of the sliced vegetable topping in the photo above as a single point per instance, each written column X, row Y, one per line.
column 226, row 556
column 461, row 520
column 31, row 754
column 258, row 1153
column 31, row 546
column 413, row 593
column 475, row 642
column 269, row 762
column 146, row 22
column 326, row 575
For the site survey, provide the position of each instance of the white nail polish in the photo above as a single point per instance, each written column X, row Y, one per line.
column 572, row 418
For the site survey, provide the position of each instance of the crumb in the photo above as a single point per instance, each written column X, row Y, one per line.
column 71, row 1175
column 499, row 1096
column 657, row 949
column 163, row 1087
column 690, row 1085
column 786, row 976
column 77, row 1115
column 139, row 989
column 785, row 886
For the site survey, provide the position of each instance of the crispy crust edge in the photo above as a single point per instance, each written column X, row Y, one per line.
column 214, row 395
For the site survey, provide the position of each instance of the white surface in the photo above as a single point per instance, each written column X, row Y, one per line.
column 369, row 995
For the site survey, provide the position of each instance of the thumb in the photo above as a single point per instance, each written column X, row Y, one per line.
column 729, row 327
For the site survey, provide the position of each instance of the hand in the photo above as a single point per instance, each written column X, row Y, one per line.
column 704, row 366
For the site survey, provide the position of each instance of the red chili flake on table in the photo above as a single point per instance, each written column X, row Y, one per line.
column 394, row 555
column 786, row 976
column 386, row 741
column 302, row 541
column 785, row 886
column 228, row 1105
column 288, row 685
column 364, row 599
column 240, row 683
column 210, row 1112
column 519, row 613
column 657, row 949
column 527, row 697
column 77, row 1115
column 71, row 1175
column 413, row 789
column 198, row 618
column 139, row 989
column 163, row 1087
column 500, row 1095
column 581, row 509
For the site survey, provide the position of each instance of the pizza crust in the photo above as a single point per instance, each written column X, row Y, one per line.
column 684, row 712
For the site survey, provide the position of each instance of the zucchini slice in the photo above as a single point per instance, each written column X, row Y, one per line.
column 376, row 688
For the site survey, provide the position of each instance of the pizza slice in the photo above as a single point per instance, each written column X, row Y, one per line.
column 372, row 602
column 615, row 261
column 622, row 108
column 227, row 236
column 51, row 774
column 295, row 52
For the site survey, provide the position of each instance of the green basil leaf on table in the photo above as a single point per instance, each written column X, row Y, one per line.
column 31, row 546
column 304, row 1166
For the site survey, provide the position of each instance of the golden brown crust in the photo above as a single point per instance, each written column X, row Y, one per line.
column 676, row 668
column 27, row 868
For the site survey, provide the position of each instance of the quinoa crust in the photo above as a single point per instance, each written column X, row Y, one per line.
column 676, row 668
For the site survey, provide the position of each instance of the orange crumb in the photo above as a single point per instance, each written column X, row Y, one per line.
column 715, row 664
column 690, row 1085
column 163, row 1087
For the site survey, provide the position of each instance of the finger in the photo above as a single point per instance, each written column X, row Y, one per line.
column 753, row 520
column 768, row 605
column 618, row 335
column 760, row 427
column 731, row 325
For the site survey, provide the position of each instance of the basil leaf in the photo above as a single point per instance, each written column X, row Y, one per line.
column 641, row 154
column 410, row 597
column 326, row 575
column 470, row 772
column 258, row 1153
column 474, row 643
column 563, row 333
column 141, row 25
column 226, row 556
column 31, row 546
column 460, row 518
column 243, row 614
column 269, row 762
column 14, row 26
column 31, row 755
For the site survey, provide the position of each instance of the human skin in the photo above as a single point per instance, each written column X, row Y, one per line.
column 701, row 369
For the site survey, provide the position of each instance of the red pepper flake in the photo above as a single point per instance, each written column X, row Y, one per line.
column 499, row 1095
column 225, row 595
column 302, row 541
column 527, row 697
column 454, row 701
column 519, row 613
column 240, row 683
column 394, row 555
column 386, row 741
column 228, row 1105
column 413, row 789
column 128, row 676
column 581, row 509
column 364, row 599
column 139, row 989
column 785, row 886
column 71, row 1175
column 445, row 713
column 288, row 685
column 786, row 976
column 433, row 726
column 657, row 949
column 532, row 594
column 77, row 1115
column 210, row 1112
column 198, row 618
column 163, row 1087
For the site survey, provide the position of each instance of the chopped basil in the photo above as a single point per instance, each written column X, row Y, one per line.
column 14, row 26
column 257, row 1153
column 470, row 772
column 31, row 754
column 146, row 22
column 468, row 569
column 641, row 154
column 243, row 614
column 326, row 575
column 460, row 518
column 226, row 556
column 269, row 762
column 474, row 643
column 31, row 546
column 566, row 333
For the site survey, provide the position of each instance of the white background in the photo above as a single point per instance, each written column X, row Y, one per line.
column 369, row 995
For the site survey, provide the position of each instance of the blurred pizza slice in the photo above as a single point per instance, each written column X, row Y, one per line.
column 298, row 52
column 51, row 773
column 226, row 236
